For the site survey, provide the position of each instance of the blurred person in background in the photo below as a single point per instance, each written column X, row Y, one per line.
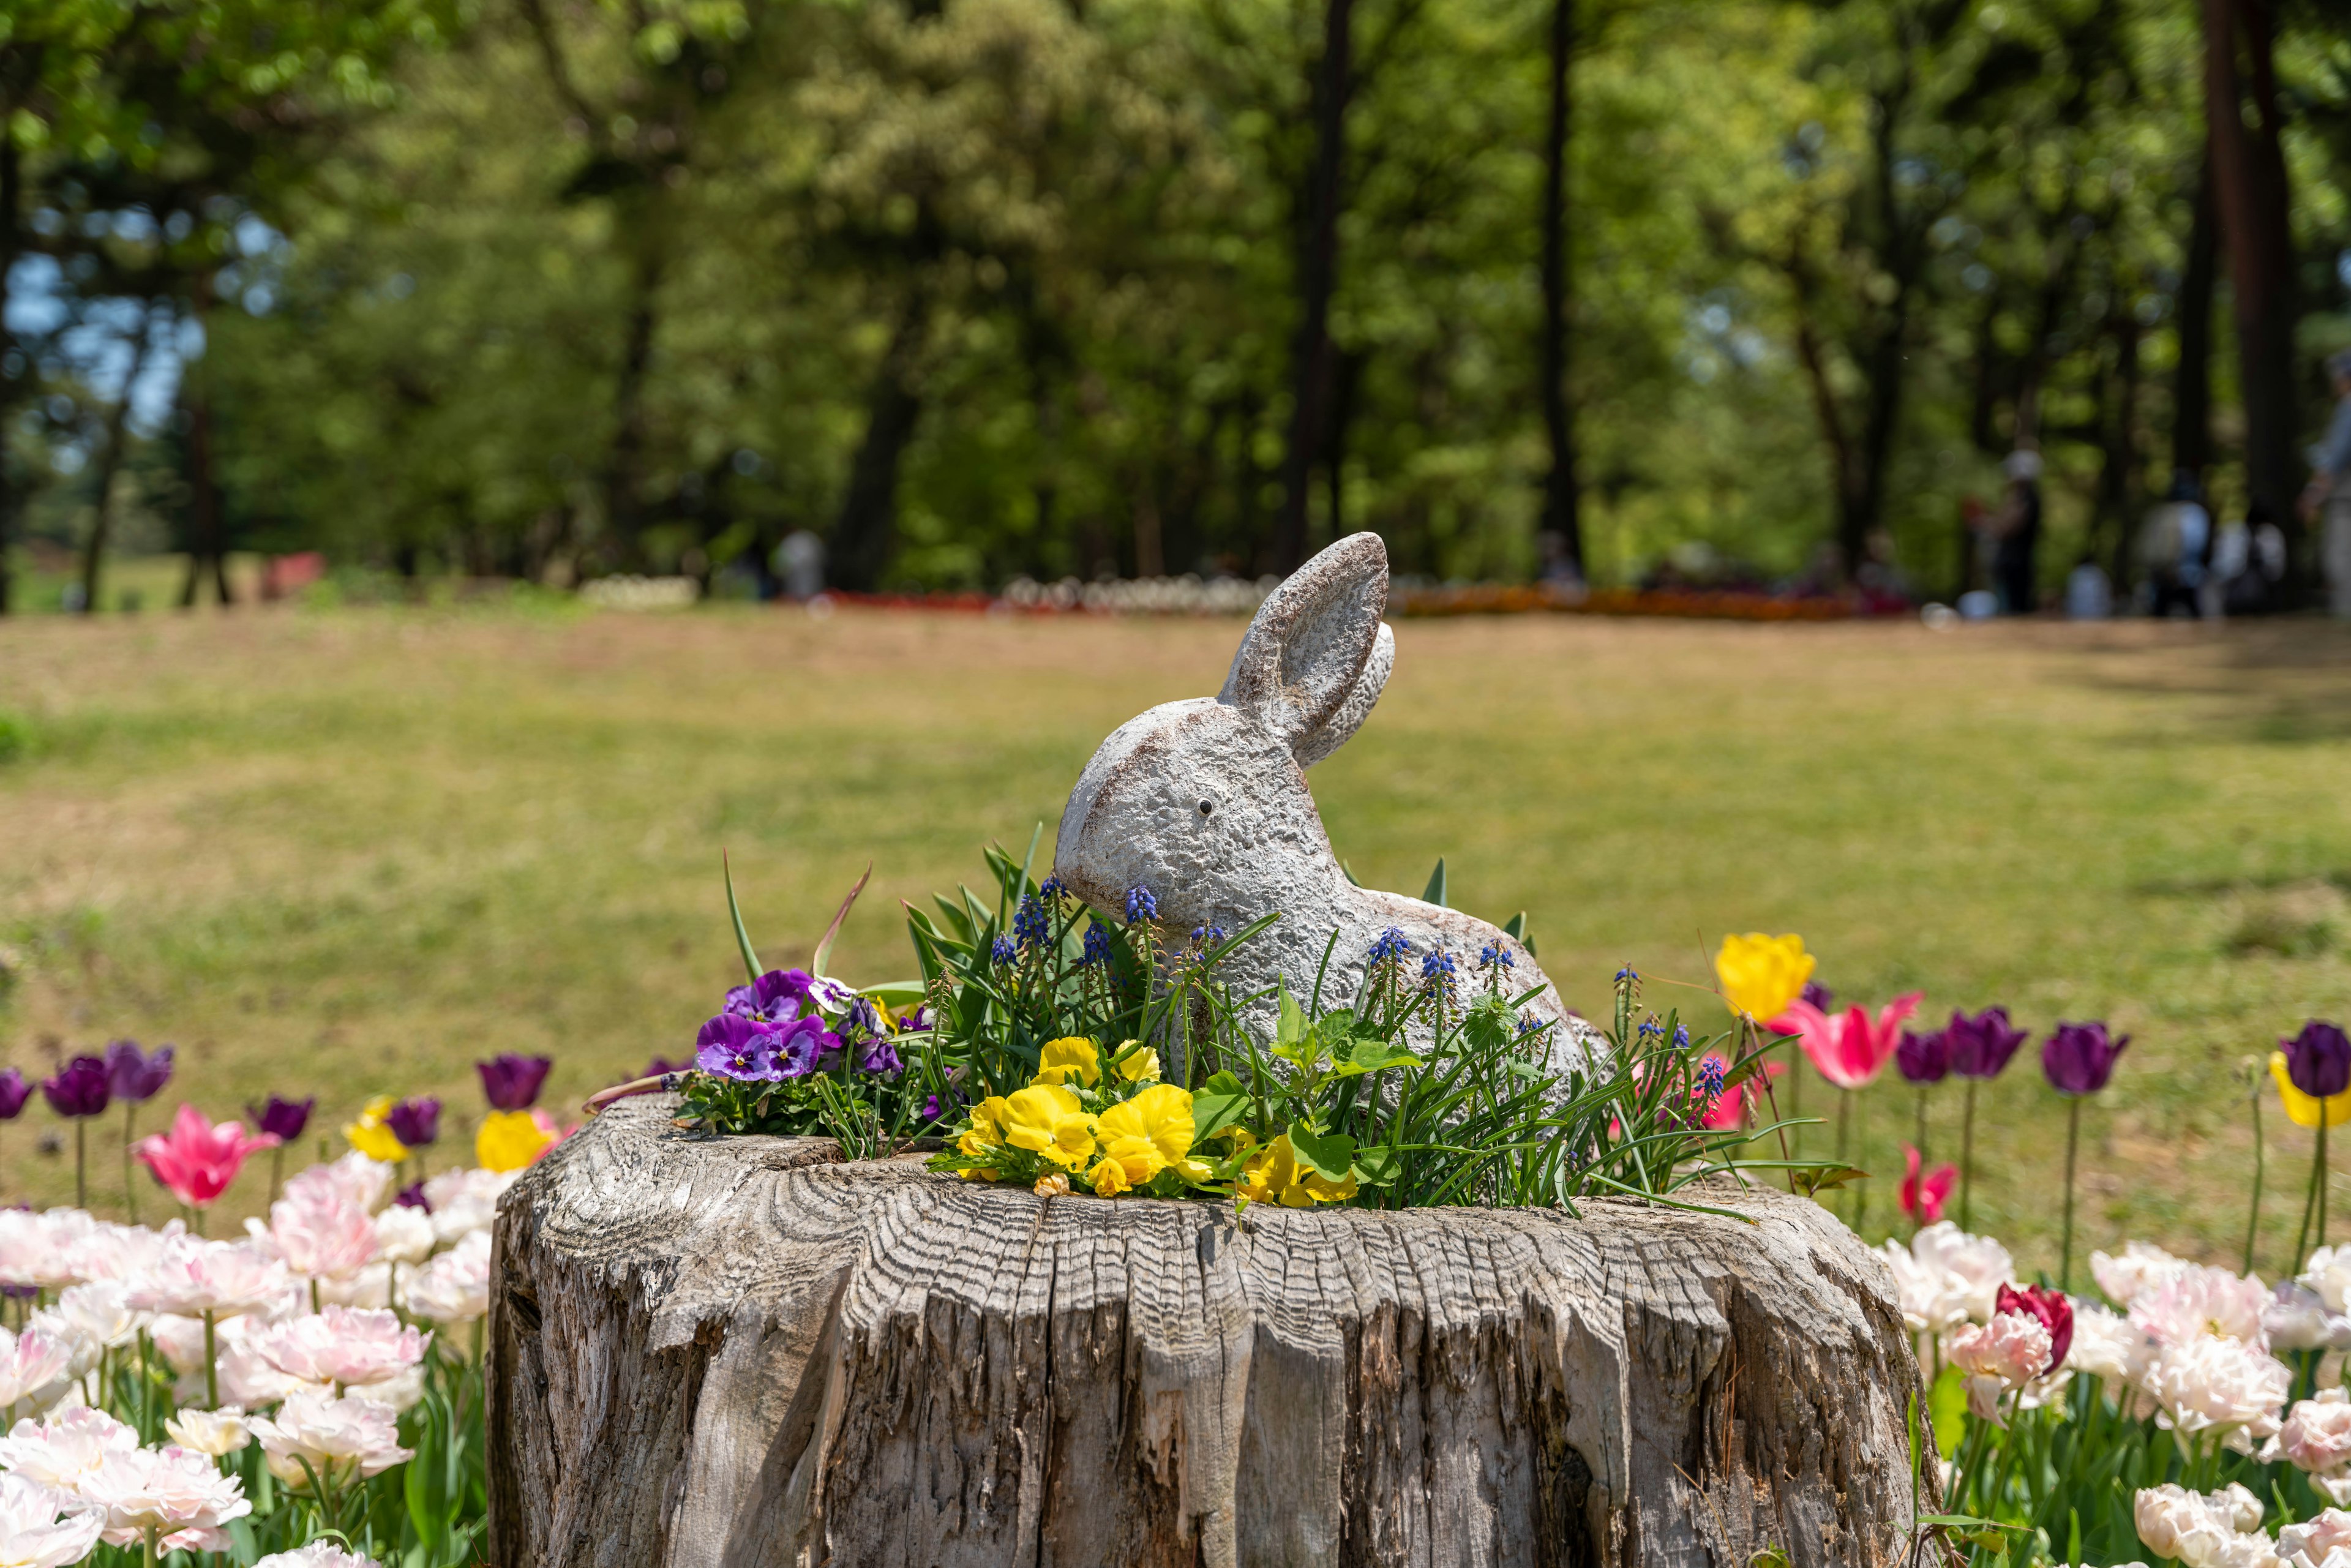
column 2326, row 501
column 2019, row 554
column 2174, row 547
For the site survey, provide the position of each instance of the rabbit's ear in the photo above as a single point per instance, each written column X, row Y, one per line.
column 1353, row 709
column 1308, row 662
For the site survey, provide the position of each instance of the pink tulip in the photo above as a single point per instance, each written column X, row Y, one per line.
column 1923, row 1196
column 198, row 1160
column 1852, row 1049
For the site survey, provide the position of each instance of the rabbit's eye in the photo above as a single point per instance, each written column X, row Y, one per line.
column 1207, row 806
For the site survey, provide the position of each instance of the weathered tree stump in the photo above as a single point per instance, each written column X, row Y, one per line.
column 743, row 1351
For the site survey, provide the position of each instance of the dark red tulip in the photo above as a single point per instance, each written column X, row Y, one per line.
column 78, row 1089
column 512, row 1082
column 2080, row 1057
column 1983, row 1046
column 2054, row 1310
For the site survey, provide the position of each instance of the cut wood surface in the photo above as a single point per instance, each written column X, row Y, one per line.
column 741, row 1350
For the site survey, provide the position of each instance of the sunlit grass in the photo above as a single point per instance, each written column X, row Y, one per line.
column 351, row 851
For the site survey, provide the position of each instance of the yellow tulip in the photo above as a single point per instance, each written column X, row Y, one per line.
column 2303, row 1109
column 1136, row 1066
column 1277, row 1177
column 509, row 1140
column 1761, row 975
column 1046, row 1119
column 1062, row 1059
column 372, row 1136
column 1109, row 1177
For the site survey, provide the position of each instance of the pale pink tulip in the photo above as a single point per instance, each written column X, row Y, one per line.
column 2315, row 1539
column 215, row 1432
column 317, row 1554
column 342, row 1346
column 464, row 1201
column 455, row 1288
column 322, row 1233
column 192, row 1278
column 2316, row 1435
column 2014, row 1348
column 37, row 1367
column 41, row 1527
column 69, row 1444
column 1852, row 1049
column 179, row 1496
column 343, row 1439
column 354, row 1178
column 2199, row 1302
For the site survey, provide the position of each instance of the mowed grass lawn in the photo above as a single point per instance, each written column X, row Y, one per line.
column 348, row 852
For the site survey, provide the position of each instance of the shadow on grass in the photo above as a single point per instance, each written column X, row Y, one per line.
column 2271, row 682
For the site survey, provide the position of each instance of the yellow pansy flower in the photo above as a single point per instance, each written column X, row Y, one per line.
column 1046, row 1119
column 1134, row 1065
column 1109, row 1177
column 373, row 1136
column 510, row 1139
column 1074, row 1057
column 1761, row 975
column 2303, row 1109
column 1277, row 1177
column 981, row 1174
column 987, row 1129
column 1161, row 1116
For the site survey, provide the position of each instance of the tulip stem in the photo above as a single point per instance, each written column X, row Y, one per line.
column 211, row 1363
column 277, row 1170
column 2073, row 1138
column 81, row 1165
column 2320, row 1239
column 1922, row 1127
column 1967, row 1157
column 130, row 1194
column 2310, row 1198
column 2253, row 1221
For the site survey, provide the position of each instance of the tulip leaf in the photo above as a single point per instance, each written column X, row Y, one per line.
column 824, row 948
column 1435, row 892
column 1516, row 927
column 742, row 936
column 1947, row 1404
column 1812, row 1179
column 897, row 993
column 1331, row 1154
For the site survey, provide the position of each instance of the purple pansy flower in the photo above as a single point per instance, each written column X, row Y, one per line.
column 1982, row 1045
column 2318, row 1059
column 283, row 1119
column 512, row 1082
column 13, row 1091
column 2080, row 1057
column 778, row 996
column 133, row 1074
column 802, row 1048
column 918, row 1019
column 78, row 1089
column 881, row 1055
column 732, row 1046
column 1924, row 1058
column 415, row 1122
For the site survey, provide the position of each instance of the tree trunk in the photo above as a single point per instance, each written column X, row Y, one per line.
column 867, row 526
column 207, row 543
column 93, row 561
column 735, row 1352
column 1318, row 278
column 2192, row 387
column 1561, row 498
column 2249, row 178
column 624, row 464
column 2118, row 497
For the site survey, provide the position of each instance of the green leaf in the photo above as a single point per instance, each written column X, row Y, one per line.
column 1947, row 1404
column 1329, row 1154
column 1517, row 926
column 824, row 948
column 742, row 937
column 1435, row 892
column 1812, row 1179
column 1370, row 1053
column 1214, row 1109
column 1378, row 1165
column 897, row 993
column 1767, row 1556
column 1292, row 1029
column 1349, row 873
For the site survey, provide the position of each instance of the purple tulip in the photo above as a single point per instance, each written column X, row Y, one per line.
column 1922, row 1058
column 2079, row 1058
column 78, row 1089
column 283, row 1119
column 512, row 1082
column 13, row 1091
column 134, row 1075
column 2318, row 1059
column 413, row 1196
column 1983, row 1046
column 778, row 996
column 1818, row 994
column 732, row 1046
column 415, row 1122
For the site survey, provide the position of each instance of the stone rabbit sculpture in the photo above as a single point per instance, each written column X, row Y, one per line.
column 1204, row 802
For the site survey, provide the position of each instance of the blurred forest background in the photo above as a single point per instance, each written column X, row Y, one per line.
column 548, row 288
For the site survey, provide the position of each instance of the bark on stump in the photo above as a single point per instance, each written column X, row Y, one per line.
column 743, row 1352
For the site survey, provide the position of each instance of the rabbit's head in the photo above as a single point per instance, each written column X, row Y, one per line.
column 1204, row 802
